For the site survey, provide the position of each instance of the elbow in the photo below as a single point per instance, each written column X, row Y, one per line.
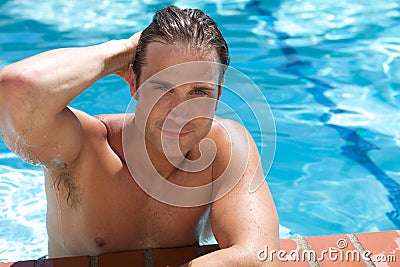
column 14, row 88
column 12, row 79
column 14, row 92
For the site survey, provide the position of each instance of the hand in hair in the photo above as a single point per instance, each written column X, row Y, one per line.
column 131, row 45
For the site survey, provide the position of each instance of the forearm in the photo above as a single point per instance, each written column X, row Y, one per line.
column 50, row 80
column 232, row 256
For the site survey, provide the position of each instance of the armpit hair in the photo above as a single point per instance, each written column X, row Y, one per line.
column 64, row 174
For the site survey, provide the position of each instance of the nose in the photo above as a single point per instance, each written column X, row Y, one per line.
column 179, row 113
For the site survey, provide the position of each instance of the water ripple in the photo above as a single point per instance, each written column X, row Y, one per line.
column 23, row 213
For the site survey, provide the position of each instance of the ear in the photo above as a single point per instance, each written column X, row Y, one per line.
column 219, row 92
column 220, row 88
column 131, row 79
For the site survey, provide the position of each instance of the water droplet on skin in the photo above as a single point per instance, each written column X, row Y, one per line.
column 24, row 151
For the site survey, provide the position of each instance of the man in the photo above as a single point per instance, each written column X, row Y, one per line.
column 96, row 168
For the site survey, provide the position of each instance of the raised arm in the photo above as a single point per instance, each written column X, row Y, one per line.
column 35, row 121
column 243, row 222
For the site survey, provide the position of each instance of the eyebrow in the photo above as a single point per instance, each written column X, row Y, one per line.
column 169, row 85
column 205, row 86
column 199, row 85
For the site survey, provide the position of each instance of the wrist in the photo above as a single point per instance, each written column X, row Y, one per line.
column 118, row 55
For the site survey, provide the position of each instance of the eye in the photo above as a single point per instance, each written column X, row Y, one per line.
column 199, row 92
column 164, row 88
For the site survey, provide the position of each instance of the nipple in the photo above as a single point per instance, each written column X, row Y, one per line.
column 99, row 242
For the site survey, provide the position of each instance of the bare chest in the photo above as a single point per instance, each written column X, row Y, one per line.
column 112, row 213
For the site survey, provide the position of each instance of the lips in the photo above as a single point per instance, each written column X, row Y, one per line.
column 173, row 134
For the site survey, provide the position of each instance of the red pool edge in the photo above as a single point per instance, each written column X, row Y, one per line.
column 360, row 249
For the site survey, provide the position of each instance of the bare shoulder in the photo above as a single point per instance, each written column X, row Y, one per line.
column 113, row 122
column 231, row 140
column 91, row 125
column 227, row 132
column 225, row 129
column 102, row 125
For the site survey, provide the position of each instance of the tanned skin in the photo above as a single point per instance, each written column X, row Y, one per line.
column 94, row 204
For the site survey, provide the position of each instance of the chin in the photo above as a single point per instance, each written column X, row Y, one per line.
column 171, row 150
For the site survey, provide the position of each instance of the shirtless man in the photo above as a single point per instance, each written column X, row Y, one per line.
column 95, row 204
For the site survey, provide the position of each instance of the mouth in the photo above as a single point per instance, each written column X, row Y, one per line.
column 173, row 133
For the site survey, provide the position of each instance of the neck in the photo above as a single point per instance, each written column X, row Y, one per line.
column 158, row 160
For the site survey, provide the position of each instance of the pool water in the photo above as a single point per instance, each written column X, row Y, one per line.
column 330, row 71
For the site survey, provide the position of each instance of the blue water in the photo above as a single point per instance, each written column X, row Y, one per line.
column 331, row 74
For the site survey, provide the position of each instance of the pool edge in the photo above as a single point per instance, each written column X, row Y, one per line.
column 359, row 249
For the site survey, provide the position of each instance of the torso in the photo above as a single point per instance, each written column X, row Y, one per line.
column 107, row 210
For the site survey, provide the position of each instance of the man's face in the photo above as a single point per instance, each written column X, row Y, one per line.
column 177, row 96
